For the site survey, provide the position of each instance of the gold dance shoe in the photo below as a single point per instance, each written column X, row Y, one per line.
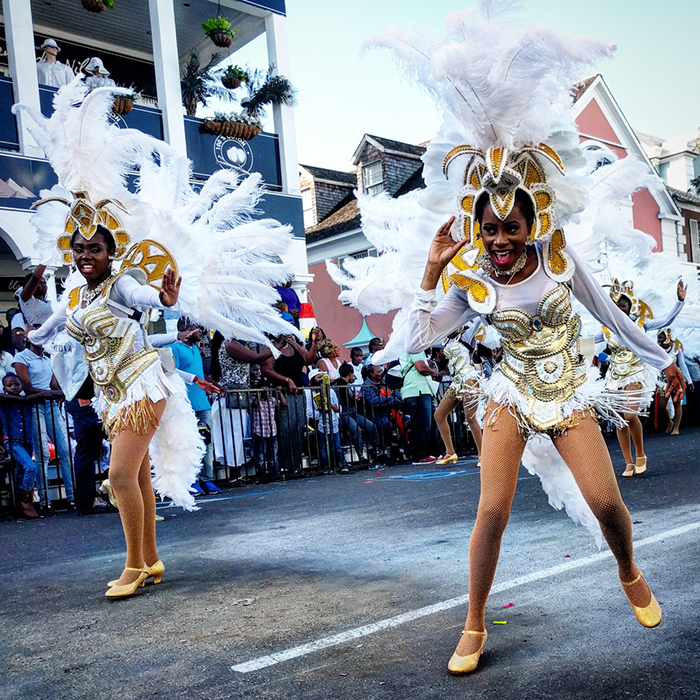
column 447, row 459
column 629, row 470
column 650, row 615
column 466, row 664
column 106, row 487
column 127, row 589
column 641, row 466
column 156, row 572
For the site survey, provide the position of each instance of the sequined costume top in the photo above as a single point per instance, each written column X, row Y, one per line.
column 625, row 367
column 543, row 376
column 116, row 347
column 464, row 375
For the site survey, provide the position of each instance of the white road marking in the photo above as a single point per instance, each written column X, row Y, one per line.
column 349, row 635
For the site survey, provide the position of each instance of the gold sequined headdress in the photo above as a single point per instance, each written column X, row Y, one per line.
column 639, row 310
column 84, row 217
column 500, row 172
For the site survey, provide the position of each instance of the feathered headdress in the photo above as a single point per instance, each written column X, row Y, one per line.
column 139, row 188
column 506, row 88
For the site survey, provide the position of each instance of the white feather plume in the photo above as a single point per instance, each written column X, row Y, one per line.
column 228, row 259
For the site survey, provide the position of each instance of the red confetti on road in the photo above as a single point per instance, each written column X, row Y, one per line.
column 567, row 556
column 510, row 605
column 369, row 482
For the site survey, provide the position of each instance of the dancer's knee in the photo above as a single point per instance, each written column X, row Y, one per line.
column 492, row 518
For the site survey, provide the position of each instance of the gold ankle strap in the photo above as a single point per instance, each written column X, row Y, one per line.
column 131, row 568
column 631, row 583
column 472, row 632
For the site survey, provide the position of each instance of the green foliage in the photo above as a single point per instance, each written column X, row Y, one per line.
column 695, row 184
column 218, row 25
column 199, row 82
column 235, row 72
column 266, row 88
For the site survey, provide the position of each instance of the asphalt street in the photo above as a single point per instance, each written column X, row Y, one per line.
column 353, row 586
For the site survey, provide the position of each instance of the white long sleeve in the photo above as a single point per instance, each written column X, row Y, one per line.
column 656, row 324
column 428, row 321
column 684, row 367
column 49, row 329
column 589, row 292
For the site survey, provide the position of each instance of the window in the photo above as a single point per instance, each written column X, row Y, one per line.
column 307, row 205
column 694, row 240
column 372, row 178
column 602, row 153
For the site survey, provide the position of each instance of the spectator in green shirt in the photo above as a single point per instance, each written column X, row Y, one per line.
column 417, row 393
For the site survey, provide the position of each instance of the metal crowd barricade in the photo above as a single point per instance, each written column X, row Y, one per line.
column 372, row 428
column 49, row 483
column 371, row 424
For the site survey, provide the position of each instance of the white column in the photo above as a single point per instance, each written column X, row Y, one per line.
column 278, row 53
column 167, row 65
column 22, row 59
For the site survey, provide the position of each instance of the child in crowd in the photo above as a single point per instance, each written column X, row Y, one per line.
column 322, row 405
column 263, row 409
column 17, row 422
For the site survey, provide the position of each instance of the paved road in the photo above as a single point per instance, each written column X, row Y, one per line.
column 264, row 570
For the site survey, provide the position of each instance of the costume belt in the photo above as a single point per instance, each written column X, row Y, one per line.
column 623, row 365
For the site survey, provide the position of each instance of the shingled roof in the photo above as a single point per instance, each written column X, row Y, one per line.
column 346, row 218
column 688, row 197
column 331, row 175
column 389, row 146
column 578, row 89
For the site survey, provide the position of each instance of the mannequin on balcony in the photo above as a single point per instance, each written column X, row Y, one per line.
column 49, row 70
column 97, row 74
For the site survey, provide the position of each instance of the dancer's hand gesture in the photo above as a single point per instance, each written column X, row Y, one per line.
column 442, row 250
column 170, row 288
column 676, row 382
column 682, row 288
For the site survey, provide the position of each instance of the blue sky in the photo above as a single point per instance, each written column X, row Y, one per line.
column 341, row 96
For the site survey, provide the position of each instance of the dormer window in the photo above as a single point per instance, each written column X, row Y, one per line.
column 372, row 178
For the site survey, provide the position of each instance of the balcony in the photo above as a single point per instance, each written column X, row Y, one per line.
column 22, row 178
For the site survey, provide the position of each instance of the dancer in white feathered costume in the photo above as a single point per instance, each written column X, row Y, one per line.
column 503, row 164
column 201, row 254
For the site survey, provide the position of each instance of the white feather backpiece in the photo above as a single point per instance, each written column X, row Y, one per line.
column 503, row 79
column 228, row 259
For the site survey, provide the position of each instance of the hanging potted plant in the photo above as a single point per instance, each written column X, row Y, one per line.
column 233, row 76
column 267, row 88
column 98, row 5
column 218, row 29
column 232, row 124
column 198, row 84
column 123, row 104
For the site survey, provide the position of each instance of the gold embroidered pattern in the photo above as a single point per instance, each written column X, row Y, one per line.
column 541, row 356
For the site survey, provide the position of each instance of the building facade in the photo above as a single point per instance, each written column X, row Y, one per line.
column 381, row 165
column 670, row 214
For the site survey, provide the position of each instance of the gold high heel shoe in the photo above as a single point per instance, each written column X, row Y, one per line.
column 650, row 615
column 447, row 459
column 629, row 470
column 128, row 588
column 156, row 572
column 106, row 487
column 466, row 664
column 640, row 468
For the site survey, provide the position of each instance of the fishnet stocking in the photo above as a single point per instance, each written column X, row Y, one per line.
column 130, row 476
column 446, row 406
column 502, row 449
column 470, row 408
column 586, row 454
column 584, row 451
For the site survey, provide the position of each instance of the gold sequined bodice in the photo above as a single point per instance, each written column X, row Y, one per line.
column 623, row 364
column 541, row 355
column 108, row 342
